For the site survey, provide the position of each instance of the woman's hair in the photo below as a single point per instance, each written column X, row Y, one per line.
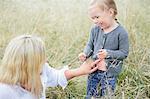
column 22, row 62
column 105, row 4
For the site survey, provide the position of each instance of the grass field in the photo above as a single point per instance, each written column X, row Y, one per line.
column 64, row 25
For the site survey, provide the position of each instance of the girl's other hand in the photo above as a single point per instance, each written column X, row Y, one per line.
column 82, row 57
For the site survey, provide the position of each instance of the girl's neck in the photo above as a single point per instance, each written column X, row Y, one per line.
column 113, row 26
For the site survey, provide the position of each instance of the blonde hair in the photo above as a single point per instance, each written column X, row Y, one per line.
column 22, row 62
column 105, row 4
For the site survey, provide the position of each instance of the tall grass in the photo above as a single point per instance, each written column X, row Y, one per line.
column 64, row 25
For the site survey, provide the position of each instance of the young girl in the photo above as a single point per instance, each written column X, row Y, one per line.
column 24, row 73
column 108, row 42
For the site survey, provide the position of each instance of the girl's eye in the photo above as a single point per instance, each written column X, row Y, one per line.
column 97, row 17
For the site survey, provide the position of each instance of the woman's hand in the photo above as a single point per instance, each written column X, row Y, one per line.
column 89, row 66
column 102, row 65
column 86, row 68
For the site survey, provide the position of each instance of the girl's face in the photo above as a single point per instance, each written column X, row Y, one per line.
column 104, row 19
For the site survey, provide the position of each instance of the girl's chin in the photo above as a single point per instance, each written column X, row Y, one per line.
column 102, row 27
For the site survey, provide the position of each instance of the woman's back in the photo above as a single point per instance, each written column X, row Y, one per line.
column 14, row 92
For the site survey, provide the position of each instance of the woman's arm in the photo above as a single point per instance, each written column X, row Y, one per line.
column 53, row 77
column 84, row 69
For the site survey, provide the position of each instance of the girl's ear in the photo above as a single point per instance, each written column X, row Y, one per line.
column 111, row 12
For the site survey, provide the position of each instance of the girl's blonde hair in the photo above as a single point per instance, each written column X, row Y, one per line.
column 22, row 62
column 105, row 4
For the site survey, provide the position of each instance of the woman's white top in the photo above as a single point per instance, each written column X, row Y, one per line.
column 50, row 77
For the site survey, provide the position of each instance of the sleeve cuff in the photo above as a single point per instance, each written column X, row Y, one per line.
column 62, row 81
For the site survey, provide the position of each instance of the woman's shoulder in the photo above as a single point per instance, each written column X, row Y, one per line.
column 47, row 67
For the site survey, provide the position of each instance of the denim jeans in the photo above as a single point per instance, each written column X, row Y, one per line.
column 98, row 84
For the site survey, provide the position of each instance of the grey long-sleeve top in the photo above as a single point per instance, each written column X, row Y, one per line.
column 116, row 43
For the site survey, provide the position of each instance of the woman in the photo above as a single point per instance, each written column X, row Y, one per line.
column 24, row 73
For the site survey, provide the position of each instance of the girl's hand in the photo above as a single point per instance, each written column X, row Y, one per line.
column 82, row 57
column 102, row 54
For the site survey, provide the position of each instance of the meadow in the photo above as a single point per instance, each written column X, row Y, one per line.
column 64, row 26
